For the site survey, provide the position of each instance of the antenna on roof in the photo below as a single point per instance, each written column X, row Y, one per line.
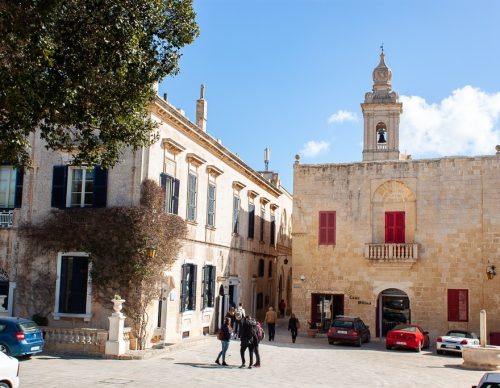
column 267, row 157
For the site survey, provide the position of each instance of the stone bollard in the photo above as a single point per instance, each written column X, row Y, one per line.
column 115, row 345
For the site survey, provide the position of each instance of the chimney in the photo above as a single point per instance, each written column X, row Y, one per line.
column 201, row 110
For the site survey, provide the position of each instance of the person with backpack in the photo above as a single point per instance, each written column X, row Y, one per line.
column 271, row 319
column 248, row 336
column 260, row 337
column 231, row 315
column 239, row 315
column 224, row 336
column 293, row 326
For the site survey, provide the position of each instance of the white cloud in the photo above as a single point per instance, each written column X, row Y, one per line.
column 342, row 116
column 465, row 123
column 314, row 148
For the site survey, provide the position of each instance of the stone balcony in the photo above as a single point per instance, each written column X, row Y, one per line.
column 394, row 253
column 6, row 218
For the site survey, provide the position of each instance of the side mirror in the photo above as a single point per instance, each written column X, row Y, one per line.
column 426, row 332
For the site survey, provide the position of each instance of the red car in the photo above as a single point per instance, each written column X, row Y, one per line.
column 407, row 336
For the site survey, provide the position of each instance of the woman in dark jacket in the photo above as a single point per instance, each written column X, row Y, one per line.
column 225, row 337
column 293, row 326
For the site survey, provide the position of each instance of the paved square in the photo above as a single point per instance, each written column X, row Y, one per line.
column 311, row 362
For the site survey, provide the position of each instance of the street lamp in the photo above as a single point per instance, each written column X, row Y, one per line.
column 150, row 252
column 491, row 271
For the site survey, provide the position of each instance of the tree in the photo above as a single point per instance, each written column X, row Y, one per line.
column 81, row 72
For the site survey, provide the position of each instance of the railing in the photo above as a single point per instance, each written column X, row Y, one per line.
column 72, row 340
column 6, row 217
column 403, row 252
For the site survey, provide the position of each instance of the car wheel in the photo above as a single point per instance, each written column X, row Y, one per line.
column 330, row 342
column 4, row 349
column 4, row 385
column 418, row 349
column 388, row 347
column 439, row 351
column 359, row 341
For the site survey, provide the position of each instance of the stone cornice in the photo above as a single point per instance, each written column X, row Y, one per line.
column 214, row 171
column 195, row 160
column 238, row 185
column 168, row 113
column 264, row 201
column 172, row 146
column 252, row 194
column 273, row 206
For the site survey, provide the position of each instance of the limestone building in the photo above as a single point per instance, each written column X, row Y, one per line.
column 391, row 239
column 238, row 247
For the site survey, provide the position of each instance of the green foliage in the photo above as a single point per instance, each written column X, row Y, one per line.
column 116, row 239
column 81, row 71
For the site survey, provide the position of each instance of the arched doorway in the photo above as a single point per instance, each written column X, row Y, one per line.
column 393, row 308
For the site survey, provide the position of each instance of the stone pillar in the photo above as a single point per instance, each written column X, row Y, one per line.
column 115, row 345
column 482, row 328
column 3, row 312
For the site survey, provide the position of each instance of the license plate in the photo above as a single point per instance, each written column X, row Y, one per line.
column 341, row 331
column 400, row 343
column 35, row 348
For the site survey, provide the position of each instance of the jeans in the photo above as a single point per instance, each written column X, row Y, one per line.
column 294, row 333
column 237, row 328
column 271, row 328
column 257, row 355
column 225, row 345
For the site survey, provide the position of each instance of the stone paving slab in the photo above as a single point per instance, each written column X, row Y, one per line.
column 311, row 362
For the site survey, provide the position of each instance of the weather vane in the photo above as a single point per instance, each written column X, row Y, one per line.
column 382, row 47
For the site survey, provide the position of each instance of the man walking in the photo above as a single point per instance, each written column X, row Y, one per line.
column 271, row 320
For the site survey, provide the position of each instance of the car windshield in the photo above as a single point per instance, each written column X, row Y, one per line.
column 406, row 328
column 490, row 385
column 343, row 324
column 28, row 326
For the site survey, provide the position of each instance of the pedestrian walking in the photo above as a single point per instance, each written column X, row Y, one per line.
column 293, row 326
column 282, row 307
column 239, row 316
column 271, row 319
column 259, row 337
column 248, row 336
column 224, row 337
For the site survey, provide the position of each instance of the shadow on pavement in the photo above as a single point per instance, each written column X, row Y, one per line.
column 202, row 365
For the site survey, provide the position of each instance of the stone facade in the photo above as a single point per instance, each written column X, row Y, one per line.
column 451, row 236
column 183, row 149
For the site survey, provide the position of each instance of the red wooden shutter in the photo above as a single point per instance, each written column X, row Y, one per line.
column 394, row 227
column 458, row 305
column 327, row 228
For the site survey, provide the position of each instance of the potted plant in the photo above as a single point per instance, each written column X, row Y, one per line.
column 311, row 329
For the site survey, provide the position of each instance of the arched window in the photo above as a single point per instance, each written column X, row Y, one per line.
column 381, row 133
column 261, row 268
column 270, row 269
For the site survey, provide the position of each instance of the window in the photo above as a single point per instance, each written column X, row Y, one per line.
column 394, row 227
column 188, row 291
column 260, row 300
column 211, row 205
column 262, row 222
column 270, row 269
column 261, row 268
column 251, row 220
column 208, row 286
column 273, row 229
column 458, row 305
column 170, row 187
column 73, row 289
column 191, row 202
column 79, row 187
column 236, row 214
column 11, row 187
column 327, row 228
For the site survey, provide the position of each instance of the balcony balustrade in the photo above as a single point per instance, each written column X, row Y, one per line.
column 6, row 218
column 392, row 252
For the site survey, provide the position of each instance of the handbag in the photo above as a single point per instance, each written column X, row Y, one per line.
column 220, row 335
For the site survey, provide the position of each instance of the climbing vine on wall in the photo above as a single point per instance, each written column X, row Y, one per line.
column 116, row 239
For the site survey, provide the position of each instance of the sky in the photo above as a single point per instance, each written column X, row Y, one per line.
column 289, row 75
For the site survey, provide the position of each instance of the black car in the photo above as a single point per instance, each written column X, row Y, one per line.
column 348, row 329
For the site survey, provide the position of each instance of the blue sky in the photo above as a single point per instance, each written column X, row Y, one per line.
column 290, row 75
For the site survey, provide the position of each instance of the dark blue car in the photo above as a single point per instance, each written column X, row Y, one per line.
column 20, row 337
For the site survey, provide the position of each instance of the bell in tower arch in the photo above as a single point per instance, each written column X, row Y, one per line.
column 382, row 132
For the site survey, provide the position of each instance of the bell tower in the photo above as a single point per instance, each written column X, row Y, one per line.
column 381, row 111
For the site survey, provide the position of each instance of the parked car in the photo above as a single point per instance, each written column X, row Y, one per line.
column 455, row 340
column 9, row 371
column 407, row 336
column 348, row 329
column 489, row 380
column 20, row 337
